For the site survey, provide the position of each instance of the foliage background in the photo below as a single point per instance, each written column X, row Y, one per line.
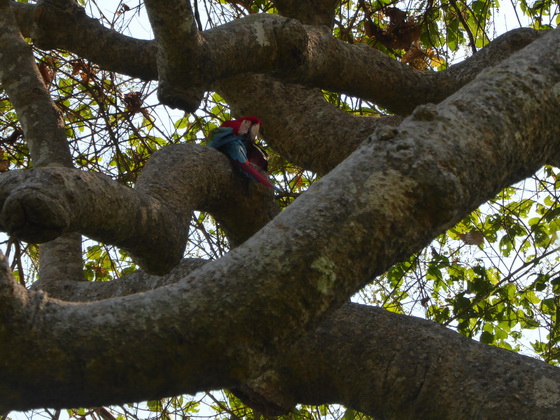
column 494, row 277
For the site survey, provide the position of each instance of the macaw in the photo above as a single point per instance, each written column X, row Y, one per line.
column 236, row 139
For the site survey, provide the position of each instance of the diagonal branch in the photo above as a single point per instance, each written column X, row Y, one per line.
column 44, row 131
column 300, row 124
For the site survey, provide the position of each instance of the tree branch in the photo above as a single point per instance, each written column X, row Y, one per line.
column 359, row 70
column 72, row 30
column 182, row 54
column 300, row 124
column 297, row 53
column 394, row 366
column 44, row 131
column 387, row 200
column 135, row 282
column 40, row 119
column 205, row 178
column 150, row 222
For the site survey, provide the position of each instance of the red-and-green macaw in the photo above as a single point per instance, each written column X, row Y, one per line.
column 236, row 139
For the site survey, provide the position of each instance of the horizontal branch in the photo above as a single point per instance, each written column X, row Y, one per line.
column 40, row 205
column 394, row 366
column 418, row 366
column 72, row 30
column 151, row 222
column 272, row 44
column 136, row 282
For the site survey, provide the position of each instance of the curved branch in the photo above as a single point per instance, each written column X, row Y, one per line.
column 359, row 70
column 195, row 177
column 44, row 131
column 300, row 124
column 151, row 222
column 40, row 205
column 292, row 51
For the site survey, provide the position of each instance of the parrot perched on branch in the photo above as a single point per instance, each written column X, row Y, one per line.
column 236, row 139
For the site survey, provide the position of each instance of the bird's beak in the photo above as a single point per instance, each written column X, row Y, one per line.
column 254, row 132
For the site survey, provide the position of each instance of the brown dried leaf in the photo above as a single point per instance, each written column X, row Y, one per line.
column 474, row 237
column 47, row 73
column 133, row 101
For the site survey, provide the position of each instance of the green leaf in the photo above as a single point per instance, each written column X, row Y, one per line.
column 486, row 337
column 349, row 414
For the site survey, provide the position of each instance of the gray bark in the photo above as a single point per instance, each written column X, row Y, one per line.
column 270, row 317
column 43, row 128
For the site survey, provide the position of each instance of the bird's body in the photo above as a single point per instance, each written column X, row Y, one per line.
column 235, row 139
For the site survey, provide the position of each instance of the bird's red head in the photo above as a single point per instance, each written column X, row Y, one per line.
column 235, row 124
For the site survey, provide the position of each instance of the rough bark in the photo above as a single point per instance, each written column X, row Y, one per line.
column 40, row 205
column 252, row 319
column 51, row 25
column 269, row 44
column 44, row 131
column 388, row 199
column 398, row 367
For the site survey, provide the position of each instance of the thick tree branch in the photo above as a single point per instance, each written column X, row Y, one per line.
column 303, row 54
column 72, row 30
column 387, row 200
column 203, row 177
column 182, row 54
column 300, row 124
column 392, row 366
column 359, row 70
column 321, row 139
column 60, row 259
column 40, row 205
